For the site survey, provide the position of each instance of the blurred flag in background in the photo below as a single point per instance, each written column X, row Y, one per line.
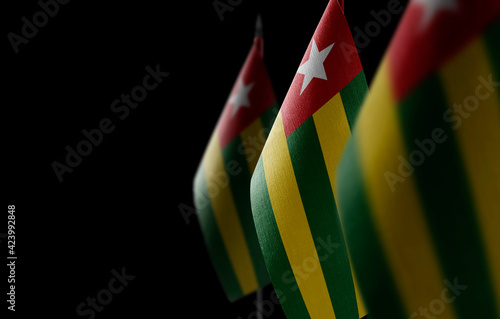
column 419, row 183
column 222, row 182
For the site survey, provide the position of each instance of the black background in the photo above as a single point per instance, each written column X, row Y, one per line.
column 120, row 206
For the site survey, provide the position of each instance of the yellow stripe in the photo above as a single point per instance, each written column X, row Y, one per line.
column 253, row 139
column 479, row 139
column 333, row 132
column 397, row 215
column 226, row 216
column 292, row 222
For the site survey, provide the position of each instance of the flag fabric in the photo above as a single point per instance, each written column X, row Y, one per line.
column 419, row 182
column 292, row 190
column 222, row 182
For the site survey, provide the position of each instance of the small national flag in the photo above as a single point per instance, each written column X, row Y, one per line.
column 419, row 183
column 292, row 190
column 222, row 182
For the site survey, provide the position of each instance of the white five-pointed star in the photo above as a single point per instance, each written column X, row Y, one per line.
column 240, row 98
column 313, row 67
column 431, row 7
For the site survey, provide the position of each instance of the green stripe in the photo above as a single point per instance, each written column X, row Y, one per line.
column 444, row 192
column 213, row 238
column 321, row 211
column 353, row 95
column 239, row 180
column 492, row 40
column 272, row 247
column 368, row 259
column 268, row 117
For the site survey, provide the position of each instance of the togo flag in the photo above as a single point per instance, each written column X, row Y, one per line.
column 419, row 183
column 292, row 190
column 222, row 182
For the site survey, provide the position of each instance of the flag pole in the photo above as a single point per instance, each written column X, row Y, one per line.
column 259, row 41
column 258, row 27
column 259, row 35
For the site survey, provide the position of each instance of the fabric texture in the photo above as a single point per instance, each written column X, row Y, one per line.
column 292, row 189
